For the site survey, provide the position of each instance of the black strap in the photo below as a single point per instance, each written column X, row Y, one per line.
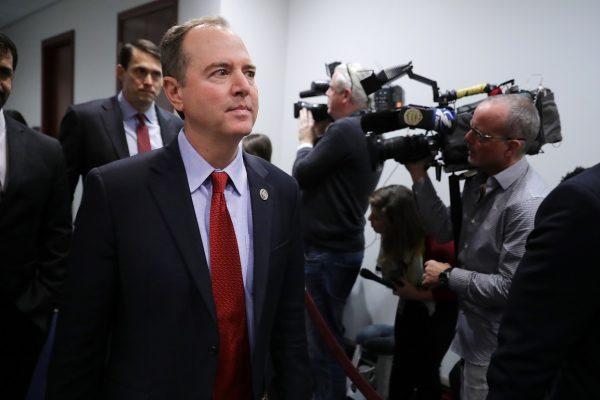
column 455, row 210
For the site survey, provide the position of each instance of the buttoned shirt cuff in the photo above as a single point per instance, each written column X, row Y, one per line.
column 458, row 280
column 304, row 146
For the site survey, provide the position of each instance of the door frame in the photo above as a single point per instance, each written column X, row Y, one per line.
column 66, row 38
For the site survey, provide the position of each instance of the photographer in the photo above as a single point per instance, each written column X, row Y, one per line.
column 499, row 205
column 425, row 318
column 336, row 179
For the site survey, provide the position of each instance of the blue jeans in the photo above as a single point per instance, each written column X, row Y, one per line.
column 329, row 280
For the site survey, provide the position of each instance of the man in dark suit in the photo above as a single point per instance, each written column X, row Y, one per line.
column 548, row 341
column 35, row 229
column 100, row 131
column 186, row 272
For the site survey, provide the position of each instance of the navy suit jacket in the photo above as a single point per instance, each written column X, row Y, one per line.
column 92, row 134
column 139, row 318
column 549, row 343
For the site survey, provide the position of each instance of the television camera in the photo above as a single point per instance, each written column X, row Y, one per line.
column 445, row 124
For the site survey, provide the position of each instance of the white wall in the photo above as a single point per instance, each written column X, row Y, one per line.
column 263, row 26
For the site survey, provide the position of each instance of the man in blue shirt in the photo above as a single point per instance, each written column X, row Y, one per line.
column 186, row 272
column 101, row 131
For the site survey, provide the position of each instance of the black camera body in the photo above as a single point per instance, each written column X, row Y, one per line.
column 319, row 111
column 446, row 129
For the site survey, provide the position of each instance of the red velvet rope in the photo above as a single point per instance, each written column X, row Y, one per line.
column 337, row 351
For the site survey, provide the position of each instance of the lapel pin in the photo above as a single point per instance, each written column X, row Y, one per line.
column 264, row 194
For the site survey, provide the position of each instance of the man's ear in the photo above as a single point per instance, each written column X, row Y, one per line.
column 120, row 72
column 172, row 90
column 515, row 147
column 347, row 96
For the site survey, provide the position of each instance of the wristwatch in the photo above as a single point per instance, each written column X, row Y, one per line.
column 445, row 277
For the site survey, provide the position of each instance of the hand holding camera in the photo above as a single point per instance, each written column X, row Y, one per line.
column 306, row 124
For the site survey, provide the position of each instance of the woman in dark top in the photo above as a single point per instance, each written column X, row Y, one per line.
column 425, row 319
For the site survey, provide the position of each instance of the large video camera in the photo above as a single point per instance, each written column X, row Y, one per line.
column 386, row 97
column 446, row 124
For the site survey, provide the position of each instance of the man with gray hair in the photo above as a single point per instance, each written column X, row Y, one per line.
column 186, row 277
column 336, row 178
column 499, row 205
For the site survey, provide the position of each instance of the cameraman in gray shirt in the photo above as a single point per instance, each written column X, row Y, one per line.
column 499, row 206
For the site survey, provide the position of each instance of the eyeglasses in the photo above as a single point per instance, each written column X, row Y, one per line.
column 482, row 137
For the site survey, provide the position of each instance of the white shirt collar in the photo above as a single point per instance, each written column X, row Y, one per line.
column 2, row 123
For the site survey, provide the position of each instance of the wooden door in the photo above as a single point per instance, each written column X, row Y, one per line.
column 58, row 54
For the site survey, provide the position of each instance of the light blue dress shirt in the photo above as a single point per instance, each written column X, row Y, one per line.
column 237, row 196
column 130, row 124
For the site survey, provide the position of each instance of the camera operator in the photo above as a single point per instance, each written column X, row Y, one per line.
column 499, row 205
column 336, row 179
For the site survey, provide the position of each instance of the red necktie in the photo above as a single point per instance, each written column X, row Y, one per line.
column 233, row 379
column 143, row 138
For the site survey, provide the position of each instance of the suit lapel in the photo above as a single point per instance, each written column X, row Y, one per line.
column 16, row 152
column 170, row 189
column 262, row 211
column 112, row 118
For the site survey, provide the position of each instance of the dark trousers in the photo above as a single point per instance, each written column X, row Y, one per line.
column 20, row 345
column 421, row 341
column 329, row 280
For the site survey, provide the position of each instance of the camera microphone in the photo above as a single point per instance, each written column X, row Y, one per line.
column 309, row 93
column 365, row 273
column 317, row 88
column 380, row 122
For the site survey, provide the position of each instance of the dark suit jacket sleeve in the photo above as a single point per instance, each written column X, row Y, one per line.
column 288, row 344
column 71, row 138
column 53, row 243
column 553, row 295
column 84, row 319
